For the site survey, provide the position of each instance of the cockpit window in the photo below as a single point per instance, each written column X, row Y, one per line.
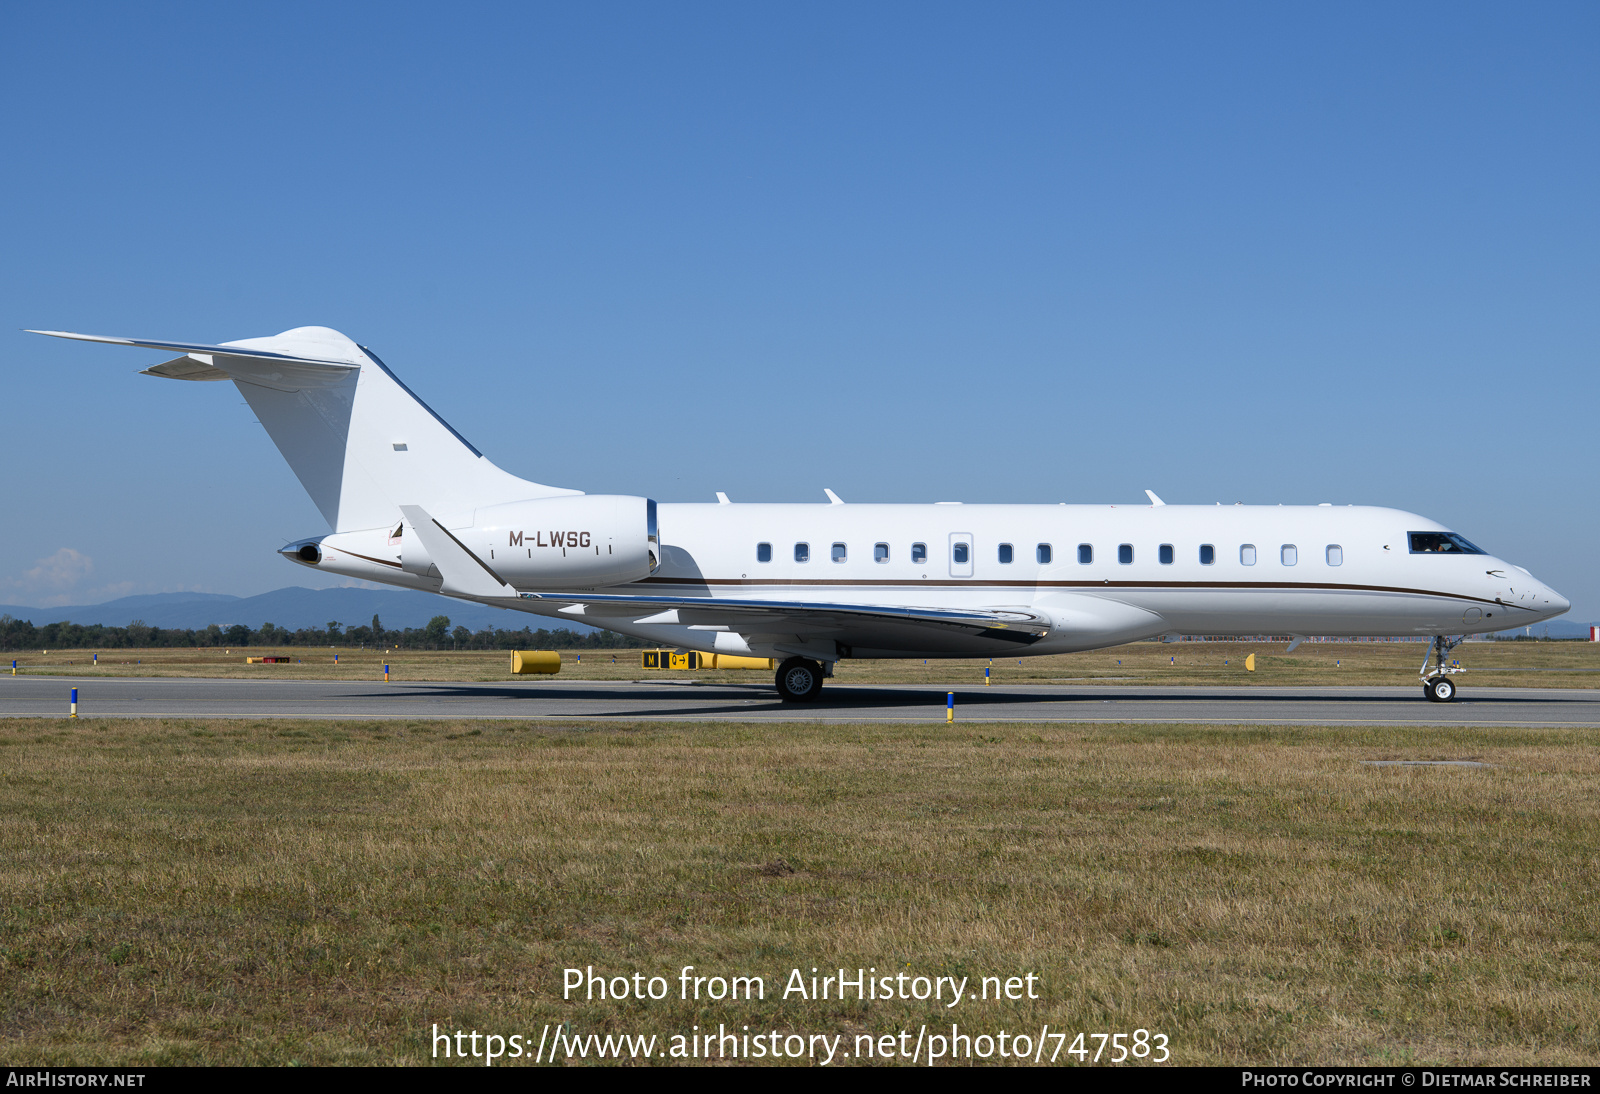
column 1441, row 543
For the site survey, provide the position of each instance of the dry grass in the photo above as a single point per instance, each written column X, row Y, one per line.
column 1489, row 664
column 267, row 892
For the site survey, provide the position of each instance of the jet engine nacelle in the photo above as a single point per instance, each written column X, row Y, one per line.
column 1083, row 621
column 578, row 542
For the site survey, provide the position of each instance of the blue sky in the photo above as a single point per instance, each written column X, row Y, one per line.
column 912, row 252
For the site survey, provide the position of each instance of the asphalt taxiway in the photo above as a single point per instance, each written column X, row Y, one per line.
column 47, row 696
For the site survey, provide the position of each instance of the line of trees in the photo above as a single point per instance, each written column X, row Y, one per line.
column 19, row 634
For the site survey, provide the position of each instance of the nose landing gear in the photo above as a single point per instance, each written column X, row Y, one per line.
column 1440, row 689
column 1437, row 687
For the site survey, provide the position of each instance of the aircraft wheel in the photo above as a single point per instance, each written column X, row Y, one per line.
column 1439, row 690
column 799, row 680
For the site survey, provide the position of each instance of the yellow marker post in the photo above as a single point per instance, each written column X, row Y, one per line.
column 1250, row 663
column 950, row 706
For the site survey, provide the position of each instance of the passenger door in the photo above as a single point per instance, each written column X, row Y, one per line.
column 960, row 554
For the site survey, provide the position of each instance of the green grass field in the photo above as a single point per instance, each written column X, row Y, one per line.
column 275, row 892
column 1489, row 664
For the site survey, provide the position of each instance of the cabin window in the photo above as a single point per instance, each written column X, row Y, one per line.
column 1005, row 553
column 919, row 552
column 802, row 552
column 1335, row 555
column 838, row 552
column 1041, row 554
column 1125, row 553
column 1164, row 552
column 880, row 552
column 1288, row 554
column 1441, row 543
column 959, row 554
column 1208, row 554
column 763, row 552
column 1247, row 555
column 1085, row 553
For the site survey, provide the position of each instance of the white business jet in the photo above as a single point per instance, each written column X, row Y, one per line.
column 412, row 503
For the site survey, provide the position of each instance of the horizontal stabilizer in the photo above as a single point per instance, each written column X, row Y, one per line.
column 240, row 361
column 196, row 347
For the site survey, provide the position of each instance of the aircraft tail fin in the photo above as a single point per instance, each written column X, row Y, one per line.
column 361, row 443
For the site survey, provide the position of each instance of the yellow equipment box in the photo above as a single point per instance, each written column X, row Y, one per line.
column 669, row 659
column 526, row 662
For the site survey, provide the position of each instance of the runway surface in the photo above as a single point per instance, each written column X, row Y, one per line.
column 41, row 696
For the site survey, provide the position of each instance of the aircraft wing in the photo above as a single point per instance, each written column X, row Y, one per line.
column 465, row 574
column 887, row 626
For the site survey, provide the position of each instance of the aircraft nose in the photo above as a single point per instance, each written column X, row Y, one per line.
column 1556, row 602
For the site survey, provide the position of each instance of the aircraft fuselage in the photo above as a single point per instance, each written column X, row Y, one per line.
column 1101, row 574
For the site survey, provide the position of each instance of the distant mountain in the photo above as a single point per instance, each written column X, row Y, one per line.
column 292, row 608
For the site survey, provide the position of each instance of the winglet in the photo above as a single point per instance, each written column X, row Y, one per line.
column 464, row 573
column 1153, row 499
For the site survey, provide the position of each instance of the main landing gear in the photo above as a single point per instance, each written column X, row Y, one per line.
column 799, row 680
column 1437, row 687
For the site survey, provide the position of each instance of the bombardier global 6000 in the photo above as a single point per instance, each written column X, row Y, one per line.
column 412, row 503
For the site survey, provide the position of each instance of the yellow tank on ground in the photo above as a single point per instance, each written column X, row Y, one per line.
column 534, row 662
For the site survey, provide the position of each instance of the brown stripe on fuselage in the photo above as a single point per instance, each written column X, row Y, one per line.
column 369, row 558
column 980, row 584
